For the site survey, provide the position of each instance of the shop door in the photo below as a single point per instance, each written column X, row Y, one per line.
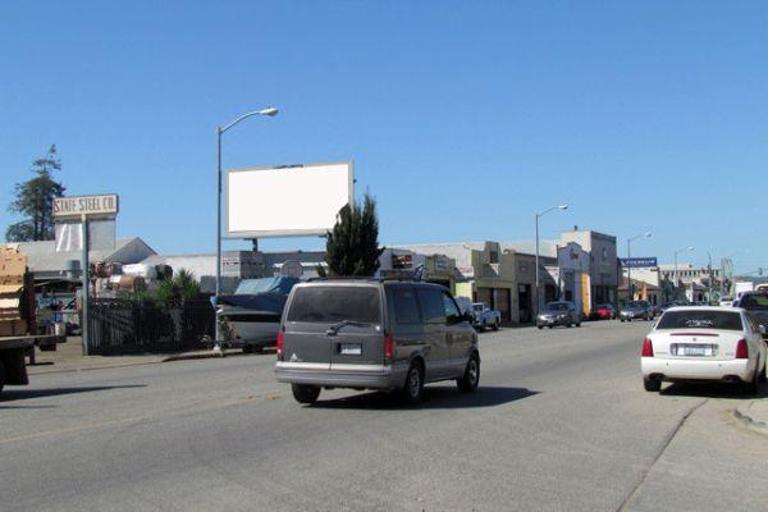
column 503, row 303
column 524, row 300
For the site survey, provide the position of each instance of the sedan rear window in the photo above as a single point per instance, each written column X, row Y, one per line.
column 723, row 320
column 328, row 304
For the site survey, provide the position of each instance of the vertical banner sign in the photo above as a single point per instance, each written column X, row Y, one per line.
column 586, row 293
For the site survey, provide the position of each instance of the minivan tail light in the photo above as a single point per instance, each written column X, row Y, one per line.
column 389, row 348
column 742, row 352
column 280, row 341
column 647, row 348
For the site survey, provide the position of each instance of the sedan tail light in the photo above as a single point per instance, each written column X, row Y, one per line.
column 647, row 348
column 742, row 351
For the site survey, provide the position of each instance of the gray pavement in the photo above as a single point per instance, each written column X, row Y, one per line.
column 561, row 422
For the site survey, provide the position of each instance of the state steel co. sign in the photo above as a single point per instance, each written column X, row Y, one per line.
column 105, row 205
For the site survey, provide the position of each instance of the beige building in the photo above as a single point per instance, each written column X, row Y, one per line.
column 492, row 273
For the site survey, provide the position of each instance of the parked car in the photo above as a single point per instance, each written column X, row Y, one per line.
column 485, row 317
column 374, row 334
column 673, row 304
column 756, row 304
column 250, row 318
column 704, row 343
column 559, row 313
column 604, row 312
column 726, row 301
column 636, row 309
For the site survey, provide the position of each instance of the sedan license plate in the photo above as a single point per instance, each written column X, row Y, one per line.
column 351, row 349
column 682, row 349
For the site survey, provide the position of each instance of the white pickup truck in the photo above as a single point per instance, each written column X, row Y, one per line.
column 485, row 317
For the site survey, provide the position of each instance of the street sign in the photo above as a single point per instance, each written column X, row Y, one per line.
column 639, row 262
column 93, row 206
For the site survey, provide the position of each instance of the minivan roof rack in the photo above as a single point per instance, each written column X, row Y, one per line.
column 367, row 278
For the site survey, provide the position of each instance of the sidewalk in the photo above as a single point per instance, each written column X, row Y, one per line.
column 69, row 358
column 754, row 414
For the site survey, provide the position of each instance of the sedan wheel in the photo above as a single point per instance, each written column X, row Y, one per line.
column 651, row 385
column 752, row 388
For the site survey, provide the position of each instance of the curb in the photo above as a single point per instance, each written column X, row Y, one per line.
column 201, row 355
column 89, row 368
column 747, row 419
column 108, row 366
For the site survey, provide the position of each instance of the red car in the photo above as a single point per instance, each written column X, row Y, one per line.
column 604, row 312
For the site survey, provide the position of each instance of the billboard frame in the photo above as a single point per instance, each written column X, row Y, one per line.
column 250, row 235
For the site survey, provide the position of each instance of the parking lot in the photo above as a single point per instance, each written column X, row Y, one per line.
column 561, row 422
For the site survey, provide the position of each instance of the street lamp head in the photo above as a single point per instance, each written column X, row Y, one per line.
column 269, row 111
column 563, row 206
column 690, row 247
column 648, row 234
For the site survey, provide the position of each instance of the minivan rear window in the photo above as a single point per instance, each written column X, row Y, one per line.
column 328, row 304
column 701, row 319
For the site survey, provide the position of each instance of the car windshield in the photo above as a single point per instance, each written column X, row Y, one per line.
column 636, row 304
column 557, row 306
column 478, row 307
column 702, row 319
column 330, row 304
column 754, row 302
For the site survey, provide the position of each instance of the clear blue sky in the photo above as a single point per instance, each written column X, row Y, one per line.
column 463, row 118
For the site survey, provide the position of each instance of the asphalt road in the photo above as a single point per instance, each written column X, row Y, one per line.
column 561, row 422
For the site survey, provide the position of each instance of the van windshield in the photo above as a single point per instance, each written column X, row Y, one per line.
column 330, row 304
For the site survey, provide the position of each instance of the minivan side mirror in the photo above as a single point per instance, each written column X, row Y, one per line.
column 455, row 319
column 761, row 328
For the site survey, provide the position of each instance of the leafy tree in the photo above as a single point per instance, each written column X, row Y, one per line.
column 352, row 248
column 34, row 201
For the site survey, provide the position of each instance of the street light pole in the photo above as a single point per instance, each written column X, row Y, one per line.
column 709, row 283
column 271, row 112
column 537, row 295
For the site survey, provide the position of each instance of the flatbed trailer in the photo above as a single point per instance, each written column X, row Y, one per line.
column 14, row 351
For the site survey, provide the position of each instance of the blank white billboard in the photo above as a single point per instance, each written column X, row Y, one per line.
column 286, row 201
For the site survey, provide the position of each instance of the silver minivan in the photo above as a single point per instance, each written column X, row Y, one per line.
column 374, row 334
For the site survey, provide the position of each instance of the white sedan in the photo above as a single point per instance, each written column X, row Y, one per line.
column 704, row 343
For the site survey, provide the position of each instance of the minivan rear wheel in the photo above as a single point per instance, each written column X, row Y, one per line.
column 471, row 378
column 413, row 391
column 305, row 394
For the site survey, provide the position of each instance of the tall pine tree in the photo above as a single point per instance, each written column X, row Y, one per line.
column 34, row 201
column 352, row 248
